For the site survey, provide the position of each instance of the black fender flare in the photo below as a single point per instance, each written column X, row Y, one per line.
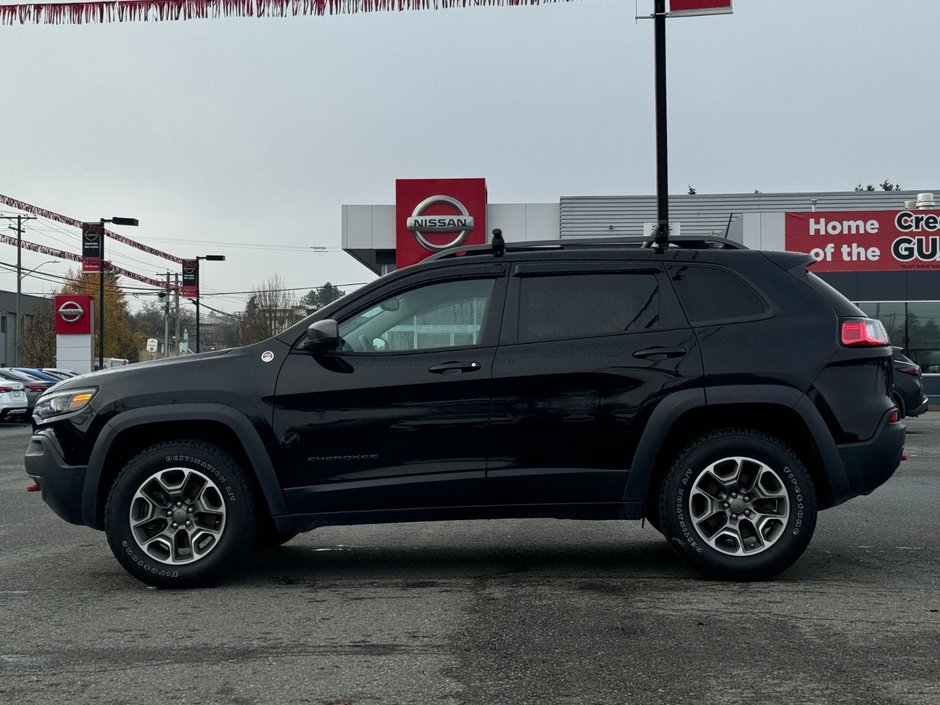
column 673, row 407
column 239, row 424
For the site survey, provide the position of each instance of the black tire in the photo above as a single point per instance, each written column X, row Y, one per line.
column 696, row 497
column 145, row 513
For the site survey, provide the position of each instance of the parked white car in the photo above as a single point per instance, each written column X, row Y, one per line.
column 12, row 399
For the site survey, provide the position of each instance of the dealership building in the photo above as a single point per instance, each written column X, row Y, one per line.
column 881, row 249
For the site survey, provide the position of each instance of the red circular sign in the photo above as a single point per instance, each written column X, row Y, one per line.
column 71, row 312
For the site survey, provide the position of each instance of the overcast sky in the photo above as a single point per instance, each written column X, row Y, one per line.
column 244, row 137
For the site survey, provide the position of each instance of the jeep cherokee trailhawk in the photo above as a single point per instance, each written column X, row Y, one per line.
column 723, row 394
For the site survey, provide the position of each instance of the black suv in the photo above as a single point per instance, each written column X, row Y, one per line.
column 908, row 392
column 723, row 394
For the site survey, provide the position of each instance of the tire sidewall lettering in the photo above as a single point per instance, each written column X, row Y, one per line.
column 143, row 565
column 683, row 521
column 202, row 464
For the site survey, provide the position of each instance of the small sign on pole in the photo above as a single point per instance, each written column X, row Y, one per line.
column 92, row 246
column 190, row 282
column 152, row 344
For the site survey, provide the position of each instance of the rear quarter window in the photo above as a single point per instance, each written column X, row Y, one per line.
column 715, row 295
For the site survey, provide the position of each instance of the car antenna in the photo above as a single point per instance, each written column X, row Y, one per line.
column 499, row 245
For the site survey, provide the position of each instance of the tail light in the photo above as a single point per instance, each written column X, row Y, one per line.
column 35, row 387
column 909, row 370
column 4, row 390
column 863, row 332
column 894, row 416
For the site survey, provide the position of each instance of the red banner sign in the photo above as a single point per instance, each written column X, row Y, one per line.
column 866, row 241
column 432, row 215
column 92, row 246
column 189, row 287
column 685, row 8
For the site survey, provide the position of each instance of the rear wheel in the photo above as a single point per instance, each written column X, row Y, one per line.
column 738, row 504
column 180, row 514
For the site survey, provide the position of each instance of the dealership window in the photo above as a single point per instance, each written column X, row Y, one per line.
column 913, row 325
column 569, row 305
column 3, row 324
column 442, row 315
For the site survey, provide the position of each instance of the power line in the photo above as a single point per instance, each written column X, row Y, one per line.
column 295, row 288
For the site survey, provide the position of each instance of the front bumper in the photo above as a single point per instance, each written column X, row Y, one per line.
column 869, row 464
column 61, row 484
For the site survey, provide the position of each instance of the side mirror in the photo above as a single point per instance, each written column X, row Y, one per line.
column 323, row 335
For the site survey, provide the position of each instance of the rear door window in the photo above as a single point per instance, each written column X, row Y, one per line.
column 573, row 304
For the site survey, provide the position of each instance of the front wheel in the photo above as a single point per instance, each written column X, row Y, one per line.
column 180, row 514
column 738, row 504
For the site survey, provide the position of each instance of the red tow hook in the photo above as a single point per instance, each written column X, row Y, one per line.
column 903, row 457
column 34, row 487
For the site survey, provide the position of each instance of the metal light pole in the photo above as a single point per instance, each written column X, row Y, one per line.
column 661, row 238
column 208, row 258
column 117, row 221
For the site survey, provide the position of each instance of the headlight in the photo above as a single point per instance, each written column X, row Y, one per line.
column 54, row 403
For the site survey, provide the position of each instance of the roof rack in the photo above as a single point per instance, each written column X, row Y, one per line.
column 681, row 242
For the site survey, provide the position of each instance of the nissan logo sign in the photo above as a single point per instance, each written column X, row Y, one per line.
column 460, row 223
column 71, row 311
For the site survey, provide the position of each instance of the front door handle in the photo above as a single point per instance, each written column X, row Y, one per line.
column 455, row 368
column 659, row 353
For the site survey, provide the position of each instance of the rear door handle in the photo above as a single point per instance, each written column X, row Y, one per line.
column 455, row 368
column 659, row 353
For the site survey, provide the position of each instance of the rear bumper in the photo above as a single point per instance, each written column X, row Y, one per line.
column 920, row 408
column 15, row 409
column 61, row 484
column 869, row 464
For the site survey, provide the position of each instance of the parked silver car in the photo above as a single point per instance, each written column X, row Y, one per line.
column 13, row 399
column 32, row 386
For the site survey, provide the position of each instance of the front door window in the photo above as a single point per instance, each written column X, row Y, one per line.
column 443, row 315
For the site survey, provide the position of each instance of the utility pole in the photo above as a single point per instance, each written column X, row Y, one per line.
column 177, row 297
column 19, row 280
column 166, row 318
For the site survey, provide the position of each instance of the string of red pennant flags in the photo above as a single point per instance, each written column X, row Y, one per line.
column 166, row 10
column 66, row 220
column 62, row 254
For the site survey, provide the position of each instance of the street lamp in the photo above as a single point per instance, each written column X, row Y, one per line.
column 117, row 221
column 208, row 258
column 19, row 325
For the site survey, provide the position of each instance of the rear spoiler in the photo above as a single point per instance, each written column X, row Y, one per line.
column 791, row 260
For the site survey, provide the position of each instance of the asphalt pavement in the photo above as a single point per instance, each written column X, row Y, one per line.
column 487, row 612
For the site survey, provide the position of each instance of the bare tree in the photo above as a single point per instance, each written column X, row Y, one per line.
column 38, row 348
column 270, row 310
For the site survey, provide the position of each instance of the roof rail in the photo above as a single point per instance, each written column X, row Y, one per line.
column 682, row 242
